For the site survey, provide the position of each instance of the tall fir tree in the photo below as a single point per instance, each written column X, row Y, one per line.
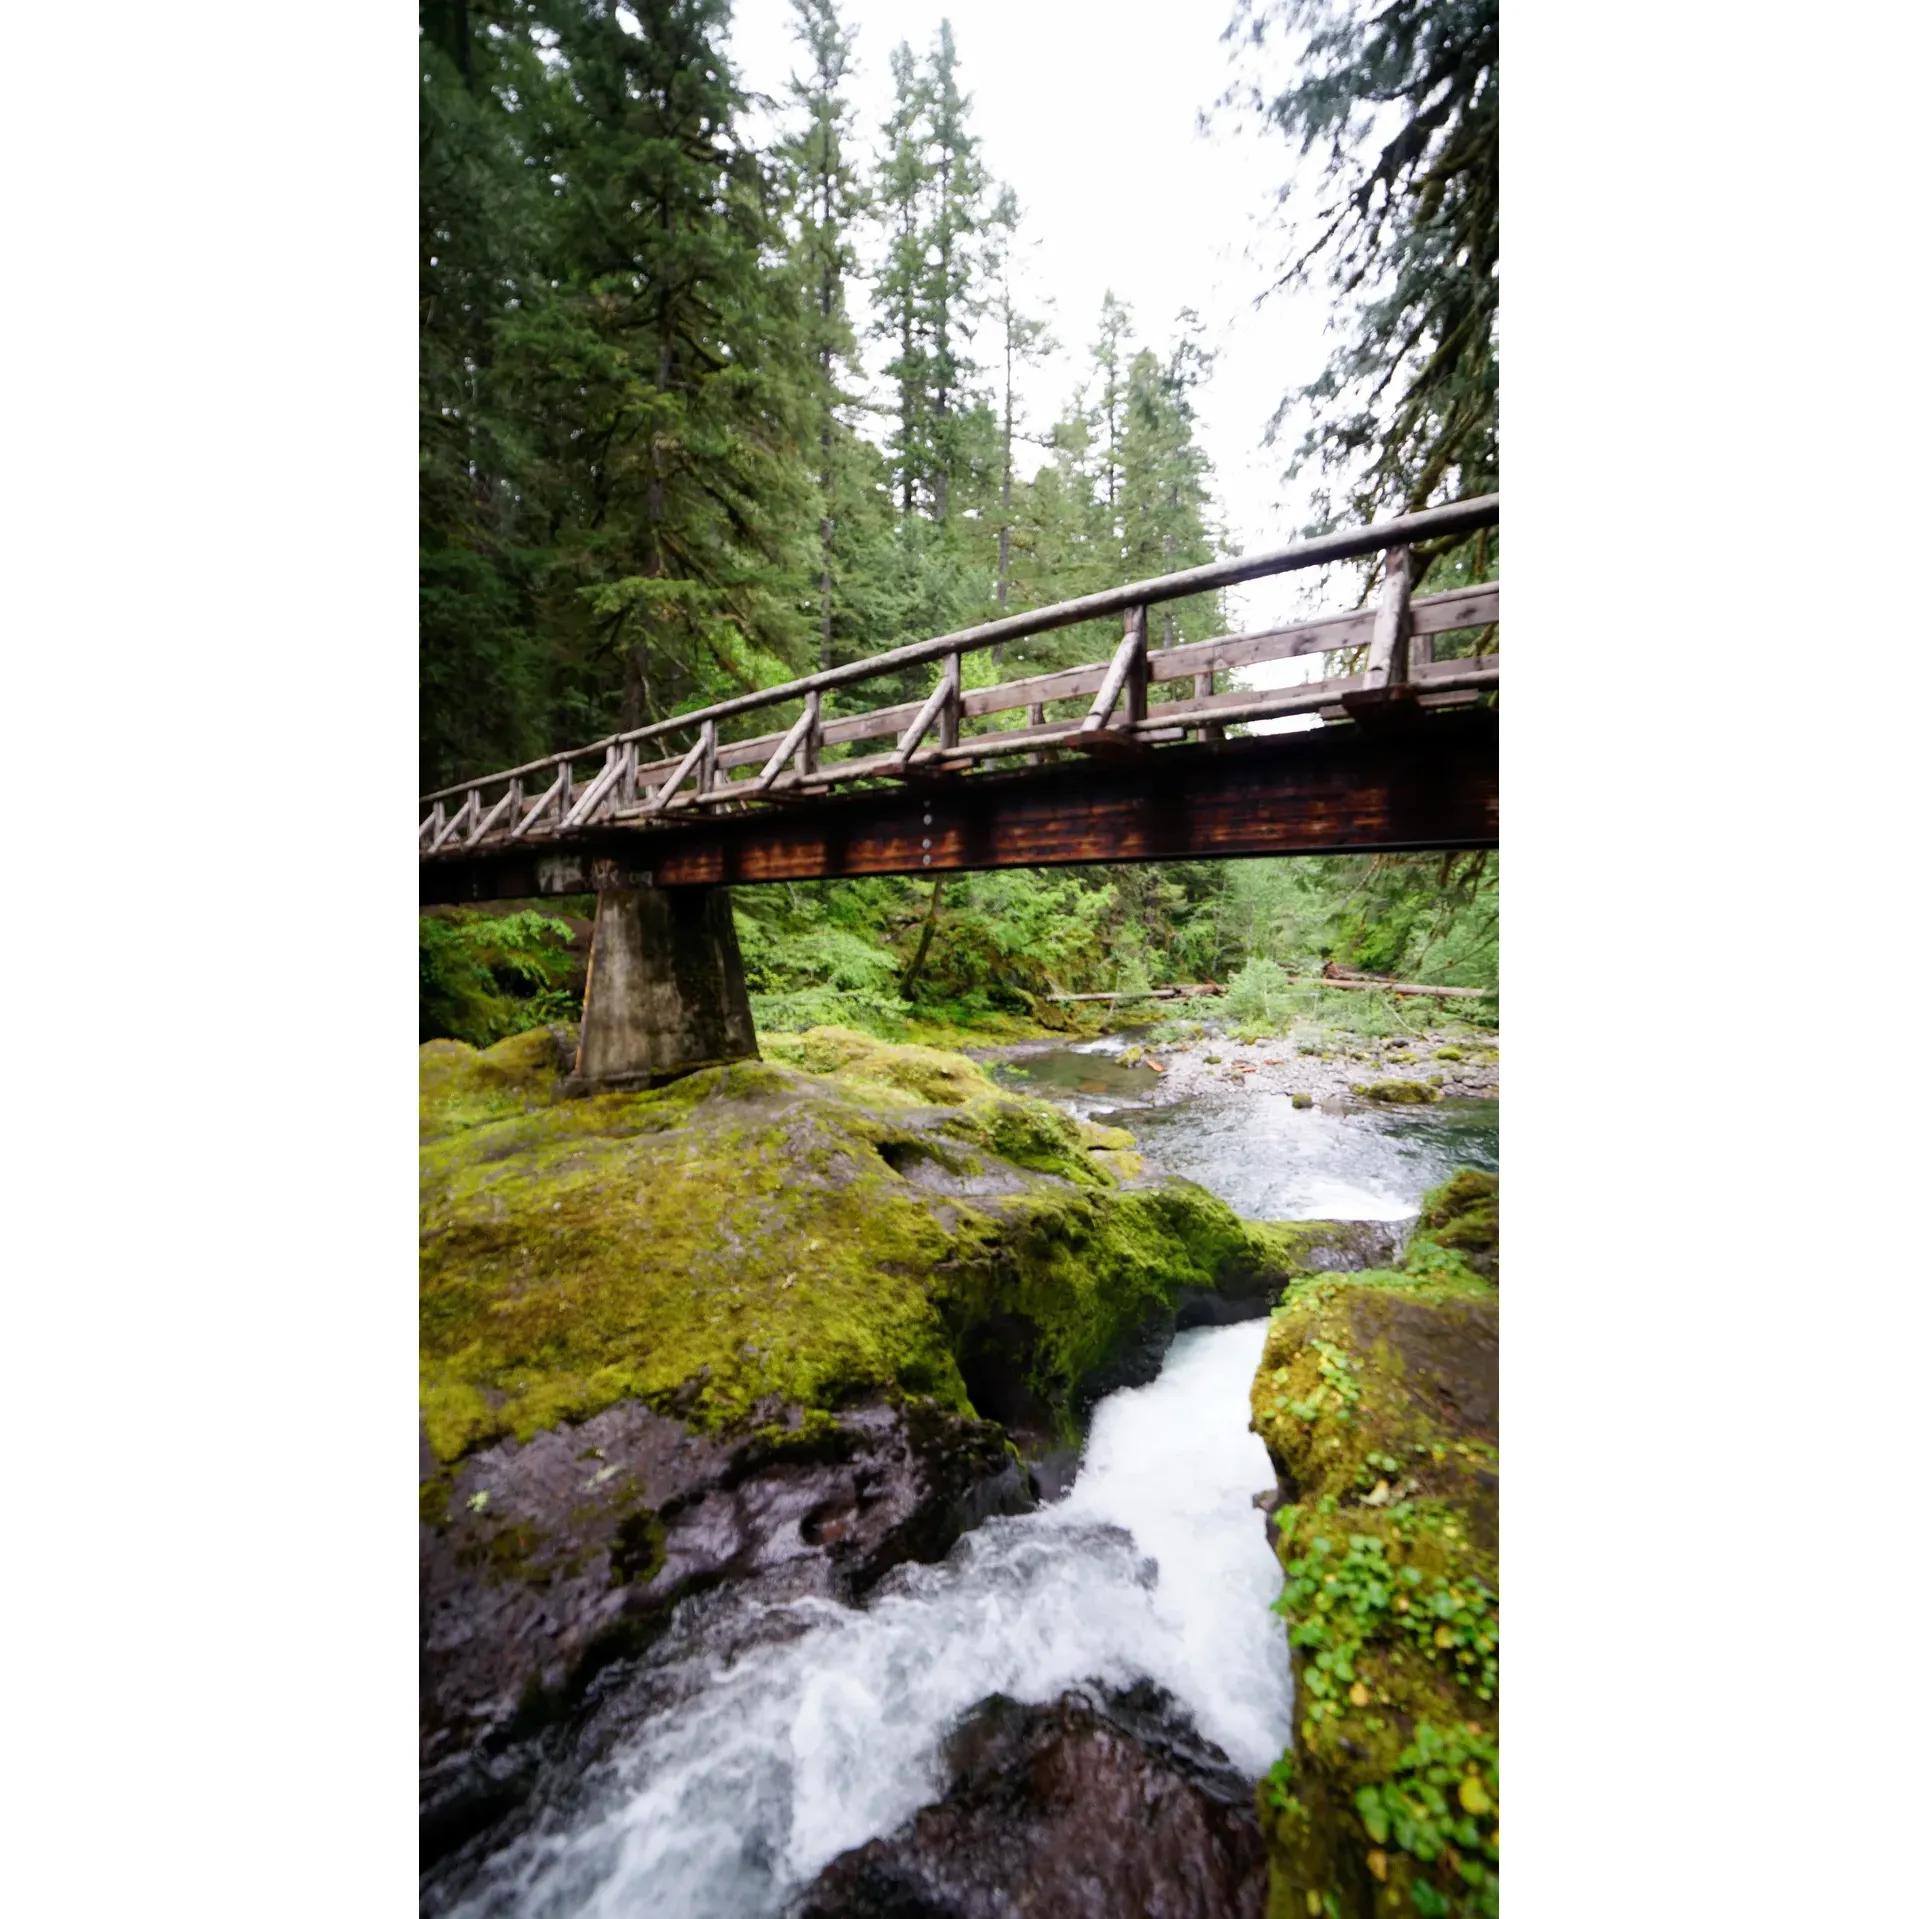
column 827, row 199
column 1162, row 523
column 904, row 200
column 668, row 373
column 1022, row 340
column 928, row 197
column 483, row 681
column 1109, row 368
column 1401, row 104
column 952, row 306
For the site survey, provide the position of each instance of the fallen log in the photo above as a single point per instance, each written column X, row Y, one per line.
column 1387, row 986
column 1200, row 991
column 1207, row 990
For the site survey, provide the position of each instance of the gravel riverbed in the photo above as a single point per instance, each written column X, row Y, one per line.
column 1331, row 1071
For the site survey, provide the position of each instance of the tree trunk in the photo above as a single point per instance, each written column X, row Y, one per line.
column 926, row 939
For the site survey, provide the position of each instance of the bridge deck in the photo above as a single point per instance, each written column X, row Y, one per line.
column 1343, row 789
column 907, row 789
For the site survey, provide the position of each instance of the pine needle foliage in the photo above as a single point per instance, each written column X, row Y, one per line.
column 1400, row 105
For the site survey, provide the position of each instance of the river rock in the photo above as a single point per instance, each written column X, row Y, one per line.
column 562, row 1555
column 1098, row 1806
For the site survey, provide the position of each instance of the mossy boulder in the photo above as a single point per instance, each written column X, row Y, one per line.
column 1377, row 1397
column 924, row 1073
column 1400, row 1092
column 760, row 1230
column 1461, row 1220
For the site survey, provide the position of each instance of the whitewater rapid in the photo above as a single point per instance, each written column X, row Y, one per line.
column 826, row 1733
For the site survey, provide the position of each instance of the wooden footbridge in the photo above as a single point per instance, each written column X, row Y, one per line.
column 964, row 780
column 946, row 784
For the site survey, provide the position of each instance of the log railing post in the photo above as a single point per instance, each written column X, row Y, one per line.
column 506, row 807
column 1203, row 690
column 809, row 758
column 451, row 824
column 1386, row 663
column 950, row 712
column 1135, row 709
column 944, row 693
column 692, row 766
column 1122, row 676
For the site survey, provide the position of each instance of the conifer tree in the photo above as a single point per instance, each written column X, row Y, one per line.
column 1402, row 102
column 959, row 185
column 668, row 372
column 482, row 662
column 1109, row 363
column 931, row 198
column 904, row 197
column 1162, row 523
column 827, row 198
column 1022, row 339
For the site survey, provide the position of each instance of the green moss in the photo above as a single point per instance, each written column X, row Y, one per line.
column 1366, row 1398
column 1301, row 1101
column 1400, row 1092
column 1447, row 1052
column 999, row 1028
column 925, row 1074
column 1041, row 1138
column 639, row 1548
column 460, row 1086
column 1460, row 1219
column 757, row 1231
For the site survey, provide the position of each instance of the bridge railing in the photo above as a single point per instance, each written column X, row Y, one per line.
column 547, row 798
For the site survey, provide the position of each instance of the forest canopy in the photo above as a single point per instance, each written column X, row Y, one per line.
column 715, row 392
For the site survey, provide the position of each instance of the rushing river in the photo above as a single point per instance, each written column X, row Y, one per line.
column 794, row 1732
column 1262, row 1156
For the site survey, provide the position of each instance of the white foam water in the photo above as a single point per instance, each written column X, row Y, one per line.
column 1154, row 1566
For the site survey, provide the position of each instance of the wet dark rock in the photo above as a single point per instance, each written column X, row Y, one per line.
column 557, row 1559
column 1313, row 1246
column 1098, row 1806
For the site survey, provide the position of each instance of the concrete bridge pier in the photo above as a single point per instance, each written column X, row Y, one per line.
column 665, row 990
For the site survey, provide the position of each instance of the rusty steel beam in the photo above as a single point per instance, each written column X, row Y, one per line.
column 1431, row 783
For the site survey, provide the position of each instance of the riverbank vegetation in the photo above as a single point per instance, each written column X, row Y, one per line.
column 974, row 958
column 1377, row 1397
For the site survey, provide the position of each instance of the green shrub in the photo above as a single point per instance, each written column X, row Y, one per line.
column 484, row 977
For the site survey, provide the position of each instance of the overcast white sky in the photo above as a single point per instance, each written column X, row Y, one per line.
column 1087, row 109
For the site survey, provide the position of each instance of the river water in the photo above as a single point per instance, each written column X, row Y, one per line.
column 797, row 1731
